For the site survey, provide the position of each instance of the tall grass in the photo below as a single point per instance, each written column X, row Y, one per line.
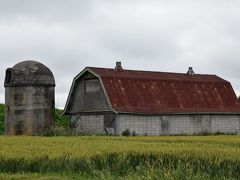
column 173, row 157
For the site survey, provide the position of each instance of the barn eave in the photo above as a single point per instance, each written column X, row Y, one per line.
column 178, row 113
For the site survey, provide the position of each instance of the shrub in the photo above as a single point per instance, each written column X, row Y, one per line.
column 61, row 121
column 60, row 131
column 126, row 132
column 134, row 133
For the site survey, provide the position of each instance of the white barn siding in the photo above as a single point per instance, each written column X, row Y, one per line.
column 178, row 124
column 142, row 125
column 227, row 123
column 160, row 125
column 189, row 124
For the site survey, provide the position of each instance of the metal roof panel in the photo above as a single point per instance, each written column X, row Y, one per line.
column 160, row 92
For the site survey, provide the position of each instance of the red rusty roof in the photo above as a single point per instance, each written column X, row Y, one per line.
column 160, row 92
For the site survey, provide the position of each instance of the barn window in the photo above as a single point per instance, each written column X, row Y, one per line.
column 92, row 85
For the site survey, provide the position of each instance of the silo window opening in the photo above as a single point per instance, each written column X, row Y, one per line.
column 92, row 85
column 53, row 104
column 8, row 76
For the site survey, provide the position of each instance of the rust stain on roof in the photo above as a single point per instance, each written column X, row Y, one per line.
column 160, row 92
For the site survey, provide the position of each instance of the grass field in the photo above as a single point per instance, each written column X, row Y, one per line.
column 97, row 157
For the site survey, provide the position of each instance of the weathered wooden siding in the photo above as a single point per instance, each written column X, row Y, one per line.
column 81, row 101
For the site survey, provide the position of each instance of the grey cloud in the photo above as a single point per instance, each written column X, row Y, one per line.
column 45, row 11
column 150, row 35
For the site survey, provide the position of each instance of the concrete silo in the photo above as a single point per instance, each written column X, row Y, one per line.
column 29, row 98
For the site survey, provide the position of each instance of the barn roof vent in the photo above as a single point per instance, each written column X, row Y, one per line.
column 118, row 66
column 190, row 71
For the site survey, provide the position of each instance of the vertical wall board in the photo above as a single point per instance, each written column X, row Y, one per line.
column 87, row 101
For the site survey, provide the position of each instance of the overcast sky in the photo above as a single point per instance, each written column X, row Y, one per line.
column 68, row 35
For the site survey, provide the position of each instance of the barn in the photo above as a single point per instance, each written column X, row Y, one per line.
column 151, row 103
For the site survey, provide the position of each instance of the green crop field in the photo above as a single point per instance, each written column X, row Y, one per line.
column 101, row 157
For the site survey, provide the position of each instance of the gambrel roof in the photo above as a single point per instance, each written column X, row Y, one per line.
column 147, row 92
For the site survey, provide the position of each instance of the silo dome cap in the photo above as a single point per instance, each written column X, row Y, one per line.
column 30, row 73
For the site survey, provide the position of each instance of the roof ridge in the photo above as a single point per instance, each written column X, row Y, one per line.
column 145, row 71
column 142, row 74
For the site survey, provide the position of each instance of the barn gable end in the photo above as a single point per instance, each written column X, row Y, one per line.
column 86, row 95
column 88, row 106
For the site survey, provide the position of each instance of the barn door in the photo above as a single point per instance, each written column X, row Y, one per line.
column 110, row 123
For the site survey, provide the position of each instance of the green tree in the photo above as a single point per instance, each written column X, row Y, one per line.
column 61, row 121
